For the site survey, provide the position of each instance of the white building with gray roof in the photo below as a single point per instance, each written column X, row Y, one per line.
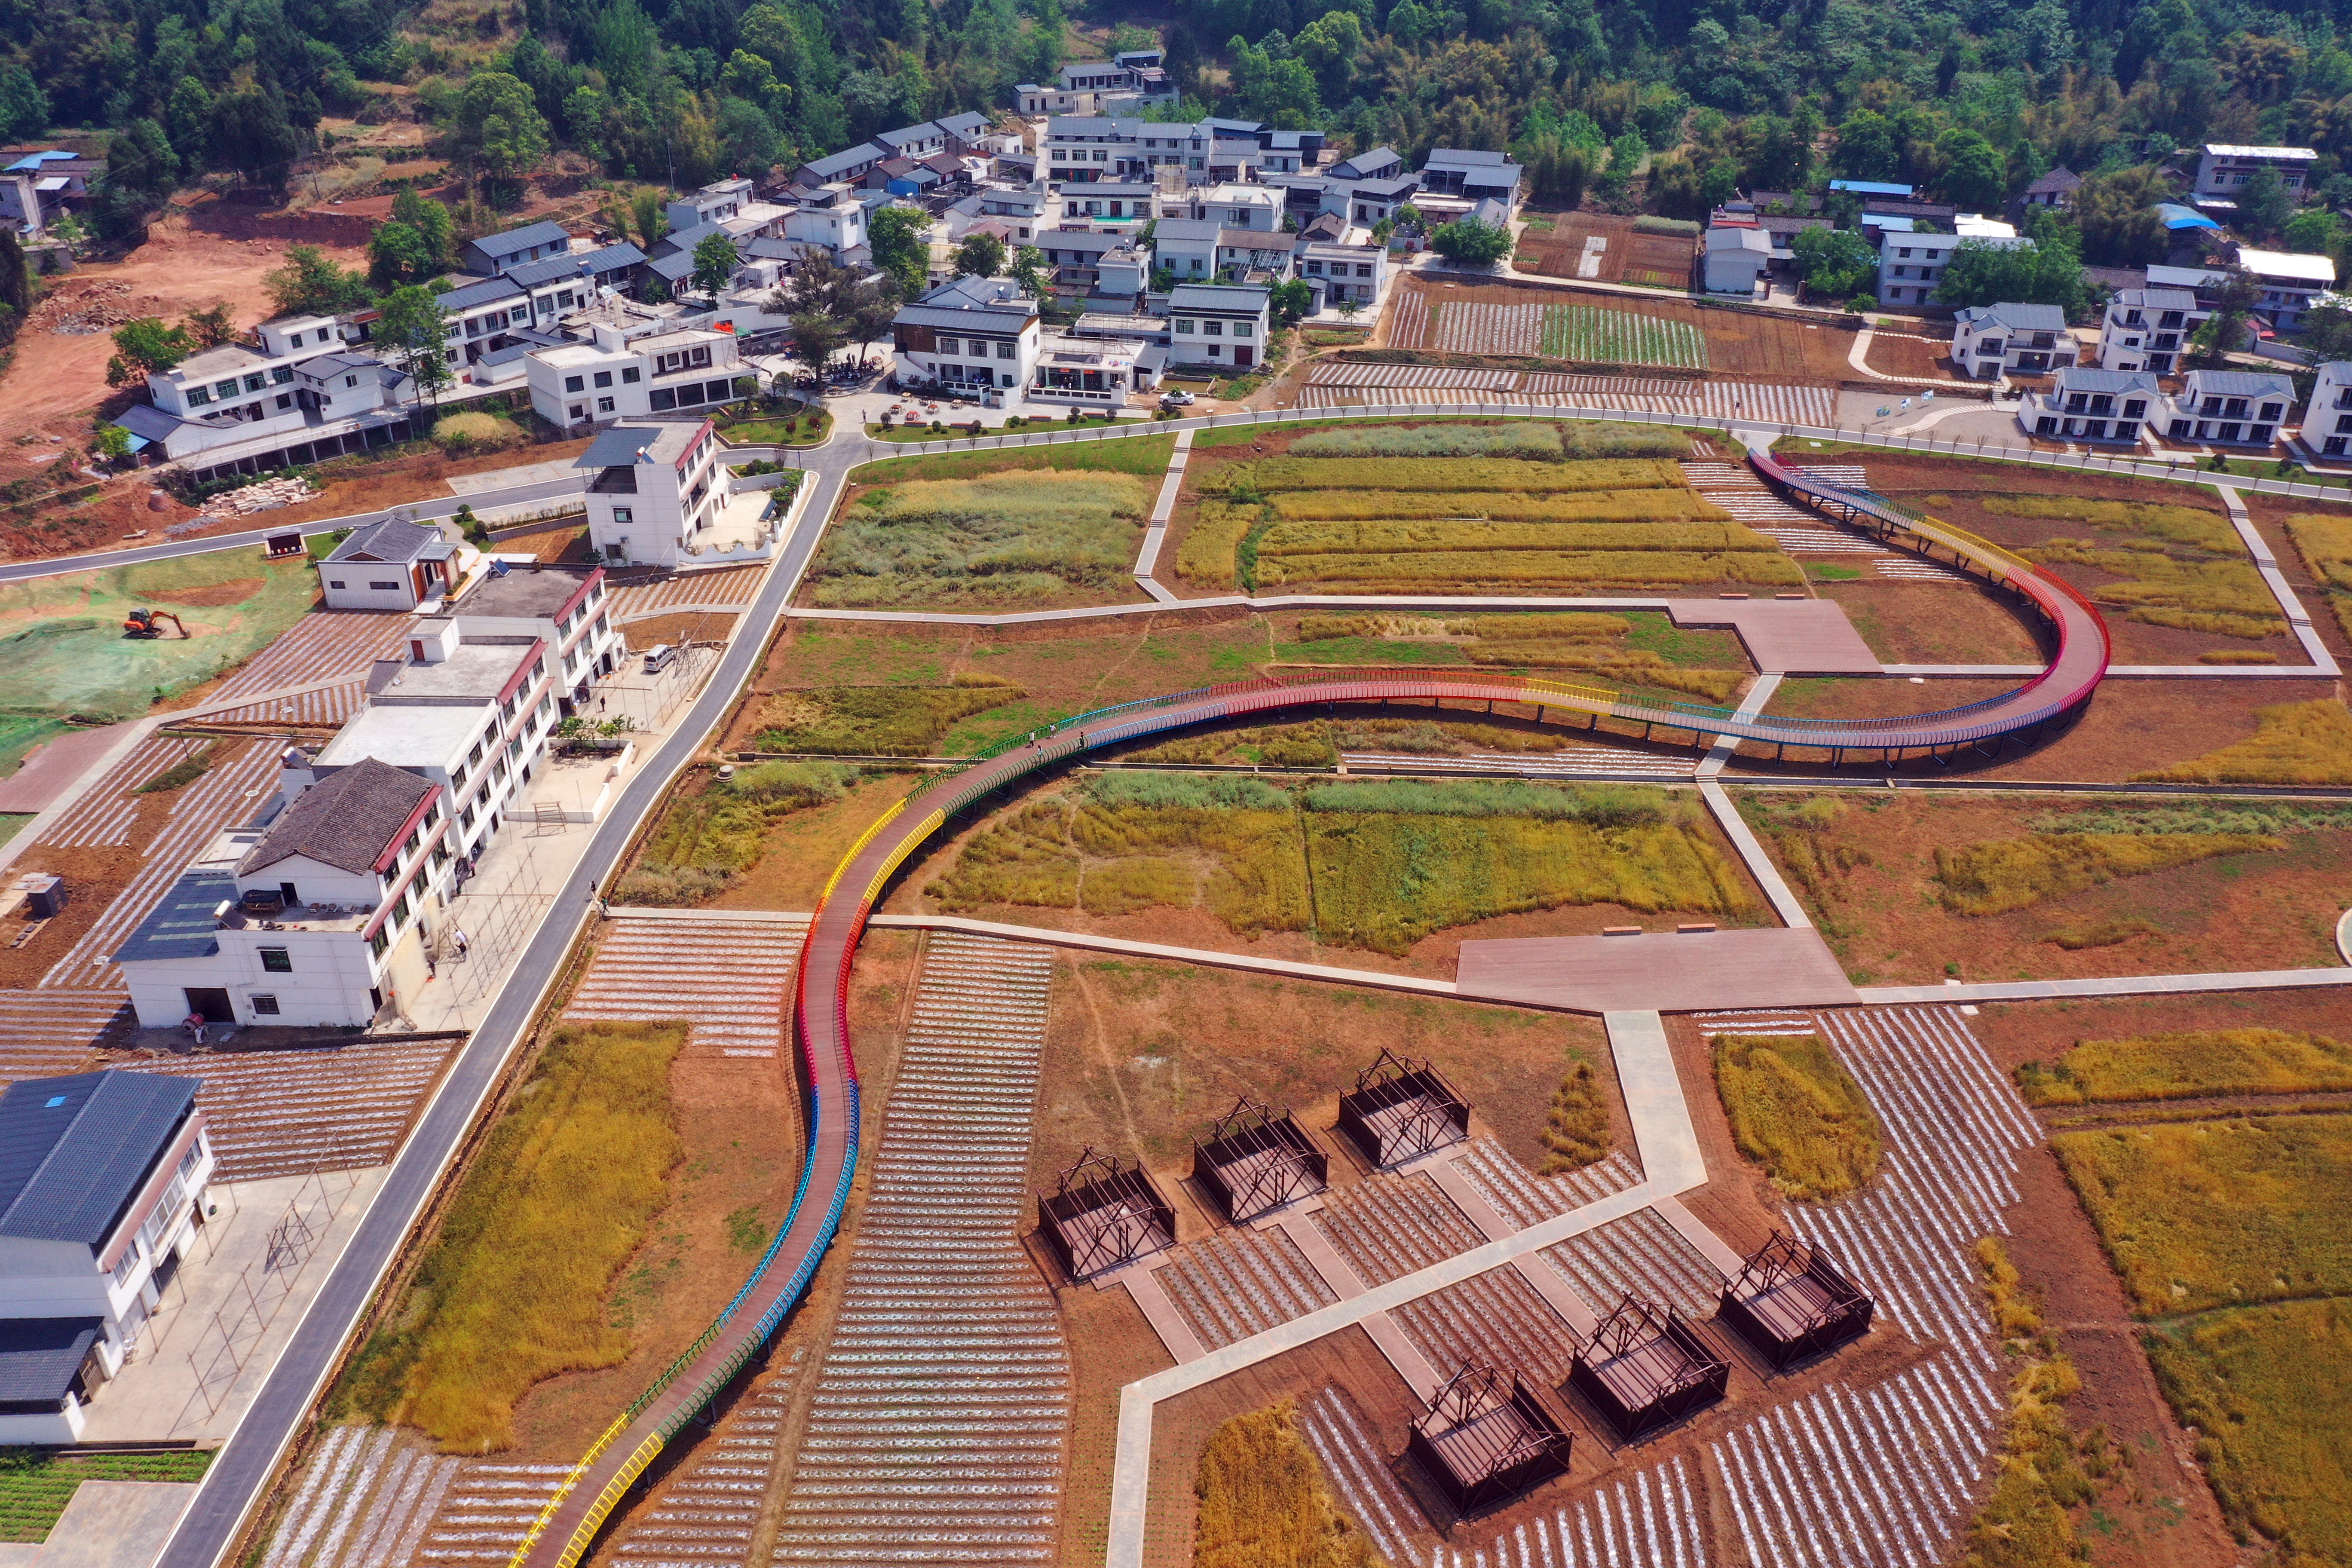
column 2085, row 403
column 2227, row 408
column 103, row 1183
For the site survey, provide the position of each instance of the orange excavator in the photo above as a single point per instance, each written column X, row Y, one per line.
column 149, row 623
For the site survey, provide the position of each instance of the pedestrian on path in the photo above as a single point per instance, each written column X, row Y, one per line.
column 458, row 937
column 195, row 1024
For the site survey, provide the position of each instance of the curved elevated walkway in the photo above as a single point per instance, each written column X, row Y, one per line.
column 820, row 1008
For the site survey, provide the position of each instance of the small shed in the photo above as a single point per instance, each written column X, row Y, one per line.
column 1256, row 1160
column 1486, row 1437
column 1792, row 1304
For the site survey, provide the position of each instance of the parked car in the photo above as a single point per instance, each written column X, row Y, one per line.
column 657, row 658
column 1177, row 399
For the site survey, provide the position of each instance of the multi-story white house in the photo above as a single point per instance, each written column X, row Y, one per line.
column 1121, row 202
column 2085, row 403
column 714, row 203
column 2227, row 408
column 294, row 393
column 491, row 315
column 2290, row 283
column 1206, row 252
column 2223, row 169
column 103, row 1186
column 616, row 376
column 1369, row 199
column 1257, row 207
column 1084, row 261
column 652, row 488
column 2148, row 329
column 1357, row 273
column 2327, row 430
column 1473, row 175
column 1993, row 340
column 394, row 564
column 319, row 918
column 1093, row 370
column 1221, row 326
column 1911, row 265
column 974, row 334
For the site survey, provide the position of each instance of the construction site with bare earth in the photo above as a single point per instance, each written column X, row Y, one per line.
column 1384, row 985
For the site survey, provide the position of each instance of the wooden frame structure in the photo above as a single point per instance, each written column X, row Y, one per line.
column 1254, row 1160
column 1401, row 1109
column 1103, row 1216
column 1487, row 1436
column 1790, row 1303
column 1646, row 1366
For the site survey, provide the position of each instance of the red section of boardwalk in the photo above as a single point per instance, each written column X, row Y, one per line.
column 821, row 1010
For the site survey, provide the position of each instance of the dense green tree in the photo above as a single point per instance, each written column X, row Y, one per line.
column 250, row 133
column 748, row 143
column 1472, row 243
column 1290, row 301
column 397, row 254
column 2263, row 205
column 2048, row 271
column 433, row 226
column 2115, row 213
column 980, row 256
column 1974, row 178
column 1028, row 271
column 311, row 285
column 1835, row 263
column 145, row 346
column 24, row 107
column 499, row 129
column 815, row 338
column 16, row 286
column 895, row 235
column 412, row 330
column 715, row 261
column 1868, row 147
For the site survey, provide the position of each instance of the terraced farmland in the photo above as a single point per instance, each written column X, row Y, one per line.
column 1595, row 335
column 938, row 1425
column 1590, row 334
column 45, row 1033
column 337, row 1108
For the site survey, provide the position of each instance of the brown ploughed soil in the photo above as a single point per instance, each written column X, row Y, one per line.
column 1142, row 1055
column 1884, row 917
column 1656, row 261
column 235, row 590
column 56, row 380
column 687, row 625
column 95, row 876
column 1919, row 356
column 1936, row 623
column 2132, row 726
column 1756, row 347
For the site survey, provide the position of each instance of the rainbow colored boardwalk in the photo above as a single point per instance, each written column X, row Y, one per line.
column 819, row 1012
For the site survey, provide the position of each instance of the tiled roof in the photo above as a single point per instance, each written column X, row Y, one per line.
column 40, row 1356
column 394, row 541
column 2241, row 384
column 347, row 820
column 2091, row 378
column 75, row 1151
column 516, row 240
column 489, row 291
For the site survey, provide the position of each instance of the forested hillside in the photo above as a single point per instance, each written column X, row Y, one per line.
column 1673, row 104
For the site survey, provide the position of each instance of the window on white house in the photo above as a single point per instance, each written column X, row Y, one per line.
column 264, row 1005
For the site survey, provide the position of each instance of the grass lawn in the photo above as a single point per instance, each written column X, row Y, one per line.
column 777, row 427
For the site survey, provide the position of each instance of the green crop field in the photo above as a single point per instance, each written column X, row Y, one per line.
column 1621, row 337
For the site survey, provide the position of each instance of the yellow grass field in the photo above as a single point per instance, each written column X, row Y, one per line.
column 512, row 1290
column 2004, row 874
column 2183, row 1067
column 2214, row 1214
column 1265, row 1502
column 2293, row 743
column 1795, row 1111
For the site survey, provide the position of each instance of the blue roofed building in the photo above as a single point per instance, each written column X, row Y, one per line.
column 103, row 1179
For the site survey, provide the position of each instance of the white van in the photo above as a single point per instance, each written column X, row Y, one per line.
column 657, row 658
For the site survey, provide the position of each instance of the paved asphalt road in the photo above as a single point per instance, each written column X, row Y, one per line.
column 441, row 506
column 237, row 1476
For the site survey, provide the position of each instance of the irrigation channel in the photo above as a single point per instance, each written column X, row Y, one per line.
column 820, row 1014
